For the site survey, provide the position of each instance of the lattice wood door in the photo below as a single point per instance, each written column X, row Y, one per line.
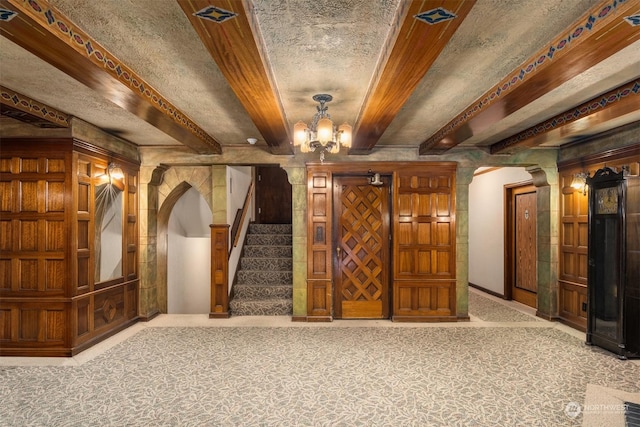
column 361, row 267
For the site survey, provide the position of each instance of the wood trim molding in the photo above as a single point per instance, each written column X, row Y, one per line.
column 613, row 104
column 393, row 81
column 219, row 271
column 49, row 34
column 21, row 102
column 488, row 291
column 237, row 48
column 602, row 29
column 605, row 156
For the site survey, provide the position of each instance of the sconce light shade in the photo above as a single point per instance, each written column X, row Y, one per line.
column 579, row 182
column 325, row 130
column 252, row 141
column 299, row 133
column 345, row 134
column 115, row 171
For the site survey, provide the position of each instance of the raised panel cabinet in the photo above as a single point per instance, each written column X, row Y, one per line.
column 53, row 301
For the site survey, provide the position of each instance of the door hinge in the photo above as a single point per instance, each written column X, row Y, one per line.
column 259, row 210
column 259, row 178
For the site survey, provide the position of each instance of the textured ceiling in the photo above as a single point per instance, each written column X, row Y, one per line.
column 337, row 47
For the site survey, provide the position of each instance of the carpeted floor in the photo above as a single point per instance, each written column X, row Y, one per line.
column 490, row 310
column 321, row 376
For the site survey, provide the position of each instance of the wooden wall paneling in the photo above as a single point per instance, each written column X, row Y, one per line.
column 573, row 248
column 319, row 241
column 83, row 230
column 219, row 271
column 131, row 228
column 424, row 244
column 48, row 306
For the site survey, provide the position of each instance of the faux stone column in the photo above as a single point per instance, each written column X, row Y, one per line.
column 546, row 182
column 464, row 176
column 297, row 177
column 150, row 179
column 219, row 194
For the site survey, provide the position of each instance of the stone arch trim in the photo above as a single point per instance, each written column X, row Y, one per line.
column 162, row 250
column 166, row 185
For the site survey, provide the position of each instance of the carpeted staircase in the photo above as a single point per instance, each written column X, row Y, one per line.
column 264, row 285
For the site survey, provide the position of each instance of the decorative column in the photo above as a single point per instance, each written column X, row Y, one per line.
column 464, row 176
column 148, row 304
column 546, row 182
column 219, row 194
column 297, row 177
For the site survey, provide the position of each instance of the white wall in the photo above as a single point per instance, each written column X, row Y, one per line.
column 486, row 226
column 239, row 180
column 189, row 255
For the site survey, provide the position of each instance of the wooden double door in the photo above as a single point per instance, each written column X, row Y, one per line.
column 361, row 254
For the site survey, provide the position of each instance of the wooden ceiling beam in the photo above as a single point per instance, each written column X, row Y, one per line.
column 412, row 48
column 44, row 31
column 598, row 34
column 25, row 109
column 232, row 44
column 620, row 105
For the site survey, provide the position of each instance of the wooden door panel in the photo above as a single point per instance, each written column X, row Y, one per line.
column 526, row 242
column 273, row 195
column 523, row 277
column 362, row 238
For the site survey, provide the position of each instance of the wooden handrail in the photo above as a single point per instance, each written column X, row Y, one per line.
column 245, row 209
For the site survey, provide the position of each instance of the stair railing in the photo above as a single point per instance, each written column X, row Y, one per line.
column 240, row 217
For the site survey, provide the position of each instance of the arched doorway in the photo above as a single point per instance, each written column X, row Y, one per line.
column 189, row 255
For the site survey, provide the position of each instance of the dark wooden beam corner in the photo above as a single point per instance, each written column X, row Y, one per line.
column 47, row 33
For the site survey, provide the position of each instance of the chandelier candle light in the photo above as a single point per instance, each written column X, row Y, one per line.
column 322, row 134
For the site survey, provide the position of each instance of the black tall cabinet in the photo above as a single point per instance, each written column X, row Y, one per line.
column 613, row 321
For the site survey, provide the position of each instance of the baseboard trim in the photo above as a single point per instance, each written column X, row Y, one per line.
column 220, row 315
column 425, row 319
column 149, row 317
column 298, row 318
column 548, row 317
column 489, row 291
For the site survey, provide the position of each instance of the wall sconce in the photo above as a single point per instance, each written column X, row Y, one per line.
column 115, row 172
column 252, row 141
column 579, row 182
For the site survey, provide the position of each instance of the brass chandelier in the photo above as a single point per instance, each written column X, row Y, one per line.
column 322, row 135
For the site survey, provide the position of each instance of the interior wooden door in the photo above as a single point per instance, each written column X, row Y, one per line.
column 361, row 256
column 525, row 279
column 273, row 196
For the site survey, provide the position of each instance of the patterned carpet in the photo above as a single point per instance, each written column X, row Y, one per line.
column 489, row 310
column 319, row 376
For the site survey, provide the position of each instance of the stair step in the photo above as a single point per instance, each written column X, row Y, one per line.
column 269, row 239
column 252, row 292
column 268, row 264
column 259, row 277
column 264, row 285
column 270, row 229
column 267, row 307
column 260, row 251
